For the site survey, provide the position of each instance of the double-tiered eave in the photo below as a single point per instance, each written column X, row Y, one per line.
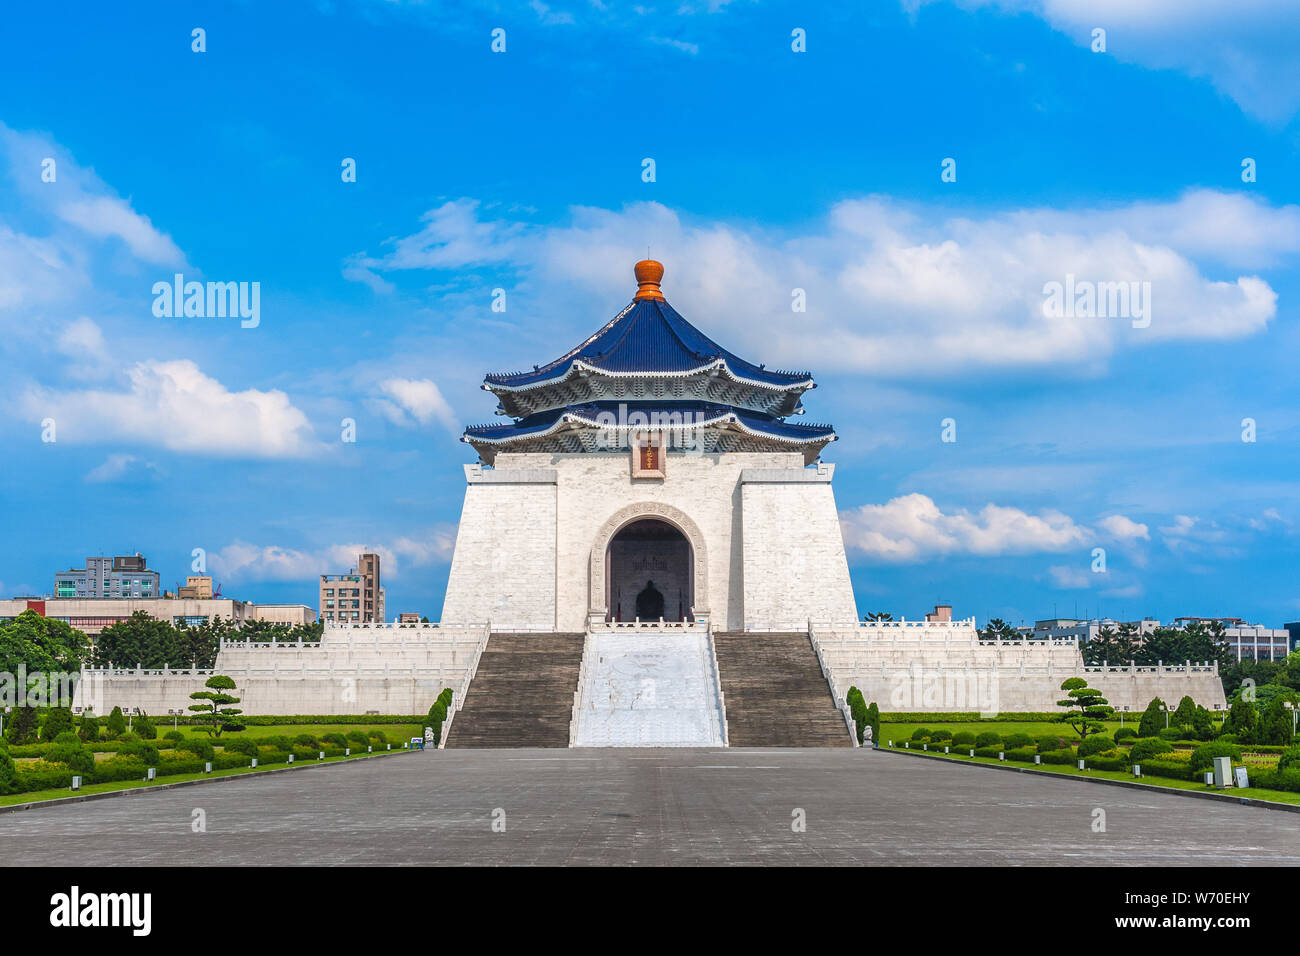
column 598, row 426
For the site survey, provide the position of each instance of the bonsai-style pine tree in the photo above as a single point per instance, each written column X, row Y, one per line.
column 1086, row 707
column 215, row 714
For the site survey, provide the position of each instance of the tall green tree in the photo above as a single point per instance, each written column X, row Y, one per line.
column 216, row 713
column 1153, row 718
column 21, row 727
column 1243, row 720
column 998, row 630
column 878, row 616
column 57, row 721
column 1086, row 709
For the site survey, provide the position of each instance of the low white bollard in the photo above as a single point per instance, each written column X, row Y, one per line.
column 321, row 755
column 972, row 753
column 370, row 749
column 925, row 746
column 1208, row 776
column 1002, row 755
column 1137, row 770
column 1038, row 758
column 76, row 783
column 207, row 766
column 945, row 749
column 347, row 751
column 151, row 773
column 1080, row 763
column 290, row 758
column 254, row 763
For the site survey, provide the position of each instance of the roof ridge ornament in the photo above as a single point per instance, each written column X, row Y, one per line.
column 649, row 273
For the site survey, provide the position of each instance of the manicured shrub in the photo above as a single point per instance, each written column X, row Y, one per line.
column 377, row 738
column 1171, row 733
column 338, row 740
column 1288, row 779
column 119, row 768
column 173, row 735
column 988, row 739
column 239, row 745
column 1059, row 757
column 1153, row 719
column 231, row 760
column 1175, row 770
column 68, row 738
column 990, row 751
column 172, row 768
column 1290, row 758
column 72, row 755
column 1108, row 760
column 141, row 750
column 1148, row 747
column 306, row 740
column 1203, row 756
column 8, row 774
column 21, row 727
column 44, row 776
column 130, row 737
column 305, row 753
column 963, row 738
column 57, row 721
column 941, row 736
column 1016, row 741
column 921, row 733
column 1125, row 733
column 280, row 742
column 1023, row 754
column 145, row 728
column 873, row 721
column 88, row 727
column 1099, row 743
column 115, row 725
column 357, row 738
column 200, row 748
column 1048, row 744
column 1227, row 738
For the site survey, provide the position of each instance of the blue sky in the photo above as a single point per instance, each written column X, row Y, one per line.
column 775, row 170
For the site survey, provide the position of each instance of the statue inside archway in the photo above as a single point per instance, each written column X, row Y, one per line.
column 650, row 603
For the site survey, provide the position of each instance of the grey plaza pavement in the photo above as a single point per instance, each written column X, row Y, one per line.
column 681, row 807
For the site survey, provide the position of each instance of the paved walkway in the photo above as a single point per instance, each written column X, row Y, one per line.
column 706, row 806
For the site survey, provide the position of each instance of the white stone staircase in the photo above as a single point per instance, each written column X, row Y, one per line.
column 648, row 685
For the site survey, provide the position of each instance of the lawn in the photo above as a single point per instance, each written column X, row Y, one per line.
column 1275, row 796
column 1039, row 728
column 38, row 795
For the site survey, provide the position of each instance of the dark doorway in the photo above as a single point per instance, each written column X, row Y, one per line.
column 651, row 573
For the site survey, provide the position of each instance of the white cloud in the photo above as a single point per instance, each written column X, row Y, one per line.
column 1245, row 48
column 418, row 399
column 912, row 528
column 1124, row 529
column 120, row 467
column 899, row 289
column 174, row 405
column 82, row 342
column 240, row 561
column 104, row 216
column 1068, row 577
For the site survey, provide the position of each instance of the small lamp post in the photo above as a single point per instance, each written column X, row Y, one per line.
column 1165, row 708
column 1286, row 703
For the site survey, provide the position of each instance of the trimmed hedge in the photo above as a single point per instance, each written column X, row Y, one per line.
column 1096, row 744
column 1288, row 780
column 988, row 739
column 1016, row 741
column 1023, row 754
column 1048, row 744
column 1203, row 756
column 1124, row 733
column 1147, row 748
column 963, row 738
column 1175, row 770
column 1059, row 757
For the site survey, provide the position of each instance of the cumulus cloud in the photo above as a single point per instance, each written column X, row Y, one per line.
column 1246, row 48
column 1124, row 529
column 912, row 527
column 406, row 399
column 174, row 405
column 900, row 289
column 242, row 561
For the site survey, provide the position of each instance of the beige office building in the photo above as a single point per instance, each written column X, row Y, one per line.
column 354, row 596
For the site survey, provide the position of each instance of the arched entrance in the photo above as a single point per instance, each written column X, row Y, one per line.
column 668, row 524
column 650, row 574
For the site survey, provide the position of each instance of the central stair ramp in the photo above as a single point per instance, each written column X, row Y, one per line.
column 645, row 684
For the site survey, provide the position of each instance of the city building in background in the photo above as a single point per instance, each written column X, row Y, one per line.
column 92, row 615
column 196, row 586
column 355, row 596
column 117, row 578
